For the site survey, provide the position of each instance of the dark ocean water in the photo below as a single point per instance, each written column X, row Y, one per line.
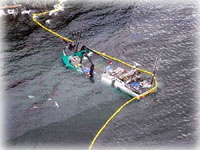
column 49, row 104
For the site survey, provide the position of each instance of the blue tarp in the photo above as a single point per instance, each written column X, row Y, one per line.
column 135, row 84
column 108, row 68
column 87, row 70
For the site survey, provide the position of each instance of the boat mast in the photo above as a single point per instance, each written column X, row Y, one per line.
column 77, row 40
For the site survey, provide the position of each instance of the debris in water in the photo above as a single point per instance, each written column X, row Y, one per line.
column 56, row 104
column 31, row 96
column 35, row 107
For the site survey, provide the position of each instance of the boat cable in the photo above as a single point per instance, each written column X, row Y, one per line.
column 153, row 89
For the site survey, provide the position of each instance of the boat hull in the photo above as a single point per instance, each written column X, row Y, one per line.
column 66, row 60
column 118, row 84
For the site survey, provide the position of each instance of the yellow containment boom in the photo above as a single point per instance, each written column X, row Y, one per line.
column 102, row 54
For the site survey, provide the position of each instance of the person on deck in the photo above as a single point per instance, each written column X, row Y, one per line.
column 138, row 76
column 71, row 46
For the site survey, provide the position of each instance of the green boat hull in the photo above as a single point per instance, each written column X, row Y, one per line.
column 66, row 61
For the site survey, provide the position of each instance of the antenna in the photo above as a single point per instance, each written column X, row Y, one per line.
column 155, row 67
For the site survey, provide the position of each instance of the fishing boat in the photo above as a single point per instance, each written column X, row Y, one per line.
column 73, row 60
column 73, row 57
column 131, row 82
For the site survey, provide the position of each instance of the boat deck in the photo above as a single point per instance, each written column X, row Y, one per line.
column 132, row 80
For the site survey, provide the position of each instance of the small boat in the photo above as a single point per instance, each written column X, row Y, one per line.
column 130, row 82
column 73, row 60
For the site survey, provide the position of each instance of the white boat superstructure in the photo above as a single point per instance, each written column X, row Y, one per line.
column 130, row 82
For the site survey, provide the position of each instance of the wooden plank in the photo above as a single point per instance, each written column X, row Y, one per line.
column 11, row 6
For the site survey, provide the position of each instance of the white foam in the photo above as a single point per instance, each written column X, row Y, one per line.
column 48, row 21
column 53, row 12
column 35, row 107
column 62, row 8
column 55, row 6
column 12, row 12
column 2, row 13
column 26, row 12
